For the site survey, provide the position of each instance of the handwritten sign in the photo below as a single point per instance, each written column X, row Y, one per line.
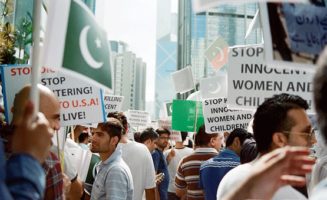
column 250, row 81
column 80, row 102
column 218, row 118
column 307, row 27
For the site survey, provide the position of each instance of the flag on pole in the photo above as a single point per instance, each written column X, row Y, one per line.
column 75, row 41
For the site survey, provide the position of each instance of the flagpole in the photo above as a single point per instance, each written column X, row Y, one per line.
column 34, row 96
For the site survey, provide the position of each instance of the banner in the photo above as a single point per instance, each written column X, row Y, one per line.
column 80, row 102
column 187, row 115
column 294, row 34
column 76, row 42
column 250, row 81
column 219, row 119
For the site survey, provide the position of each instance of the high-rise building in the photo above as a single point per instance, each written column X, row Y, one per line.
column 166, row 53
column 129, row 76
column 197, row 31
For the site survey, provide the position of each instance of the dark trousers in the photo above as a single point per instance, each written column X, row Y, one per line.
column 172, row 196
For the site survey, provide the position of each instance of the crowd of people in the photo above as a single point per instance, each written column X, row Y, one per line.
column 272, row 161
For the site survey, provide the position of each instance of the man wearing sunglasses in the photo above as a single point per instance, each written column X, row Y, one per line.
column 280, row 121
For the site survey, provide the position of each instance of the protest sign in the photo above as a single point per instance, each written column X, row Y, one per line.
column 250, row 81
column 187, row 115
column 218, row 118
column 138, row 118
column 213, row 87
column 217, row 53
column 113, row 103
column 80, row 102
column 183, row 80
column 294, row 34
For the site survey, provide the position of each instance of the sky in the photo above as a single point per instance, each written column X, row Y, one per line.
column 134, row 22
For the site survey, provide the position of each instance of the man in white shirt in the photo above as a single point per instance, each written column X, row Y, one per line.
column 278, row 122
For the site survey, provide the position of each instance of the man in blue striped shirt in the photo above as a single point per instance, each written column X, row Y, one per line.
column 214, row 169
column 114, row 179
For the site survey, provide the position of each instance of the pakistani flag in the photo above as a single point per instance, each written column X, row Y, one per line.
column 76, row 42
column 187, row 115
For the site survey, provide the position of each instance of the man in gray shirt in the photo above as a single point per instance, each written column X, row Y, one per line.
column 113, row 179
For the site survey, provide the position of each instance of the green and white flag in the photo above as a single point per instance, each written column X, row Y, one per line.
column 76, row 42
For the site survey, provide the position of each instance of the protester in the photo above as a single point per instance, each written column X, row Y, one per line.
column 248, row 151
column 22, row 176
column 83, row 140
column 139, row 160
column 173, row 156
column 279, row 121
column 214, row 169
column 149, row 138
column 187, row 177
column 159, row 161
column 49, row 106
column 280, row 167
column 114, row 179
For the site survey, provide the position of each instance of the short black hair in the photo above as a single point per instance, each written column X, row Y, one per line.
column 202, row 138
column 148, row 133
column 113, row 127
column 239, row 133
column 320, row 93
column 271, row 116
column 248, row 151
column 121, row 117
column 184, row 135
column 163, row 131
column 82, row 137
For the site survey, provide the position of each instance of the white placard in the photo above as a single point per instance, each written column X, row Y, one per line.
column 138, row 118
column 218, row 118
column 183, row 80
column 80, row 102
column 113, row 103
column 250, row 81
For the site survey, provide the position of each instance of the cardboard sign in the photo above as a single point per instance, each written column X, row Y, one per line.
column 137, row 118
column 80, row 102
column 113, row 103
column 250, row 81
column 219, row 119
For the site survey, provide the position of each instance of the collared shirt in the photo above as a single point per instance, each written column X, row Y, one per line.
column 113, row 180
column 54, row 179
column 214, row 169
column 188, row 171
column 160, row 165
